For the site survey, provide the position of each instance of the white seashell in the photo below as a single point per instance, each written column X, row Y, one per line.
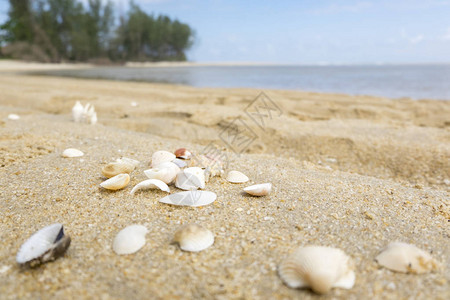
column 190, row 179
column 77, row 112
column 160, row 157
column 320, row 268
column 183, row 153
column 236, row 177
column 166, row 172
column 116, row 183
column 259, row 189
column 134, row 104
column 180, row 163
column 150, row 184
column 193, row 238
column 72, row 152
column 116, row 168
column 13, row 117
column 127, row 160
column 406, row 258
column 130, row 239
column 190, row 198
column 47, row 244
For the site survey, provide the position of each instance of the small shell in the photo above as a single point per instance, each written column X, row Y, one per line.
column 193, row 238
column 47, row 244
column 13, row 117
column 116, row 168
column 127, row 160
column 259, row 189
column 190, row 179
column 190, row 198
column 406, row 258
column 116, row 183
column 236, row 177
column 150, row 184
column 320, row 268
column 130, row 239
column 180, row 163
column 183, row 153
column 72, row 152
column 166, row 172
column 160, row 157
column 77, row 112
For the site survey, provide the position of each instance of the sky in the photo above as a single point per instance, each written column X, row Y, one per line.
column 309, row 31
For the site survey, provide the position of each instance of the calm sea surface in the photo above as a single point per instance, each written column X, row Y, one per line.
column 414, row 81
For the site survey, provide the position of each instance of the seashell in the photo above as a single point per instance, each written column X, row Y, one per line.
column 236, row 177
column 134, row 104
column 193, row 238
column 150, row 184
column 116, row 183
column 72, row 152
column 130, row 239
column 127, row 160
column 320, row 268
column 183, row 153
column 259, row 189
column 13, row 117
column 84, row 114
column 77, row 112
column 166, row 172
column 190, row 198
column 45, row 245
column 406, row 258
column 160, row 157
column 116, row 168
column 190, row 179
column 180, row 163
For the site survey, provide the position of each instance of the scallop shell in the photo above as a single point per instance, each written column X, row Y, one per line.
column 406, row 258
column 150, row 184
column 130, row 239
column 166, row 172
column 13, row 117
column 45, row 245
column 127, row 160
column 259, row 189
column 183, row 153
column 116, row 183
column 160, row 157
column 236, row 177
column 116, row 168
column 190, row 179
column 317, row 267
column 72, row 152
column 193, row 238
column 190, row 198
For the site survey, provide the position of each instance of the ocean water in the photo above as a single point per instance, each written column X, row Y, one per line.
column 393, row 81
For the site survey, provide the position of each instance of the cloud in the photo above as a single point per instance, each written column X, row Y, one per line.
column 417, row 39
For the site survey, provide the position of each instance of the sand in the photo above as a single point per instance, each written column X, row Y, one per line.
column 349, row 172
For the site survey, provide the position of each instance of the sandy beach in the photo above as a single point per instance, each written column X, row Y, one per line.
column 351, row 172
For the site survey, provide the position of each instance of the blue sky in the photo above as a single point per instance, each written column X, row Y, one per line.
column 310, row 32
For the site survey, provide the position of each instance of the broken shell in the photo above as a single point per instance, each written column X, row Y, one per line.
column 193, row 238
column 180, row 163
column 116, row 183
column 406, row 258
column 183, row 153
column 236, row 177
column 190, row 179
column 259, row 189
column 166, row 172
column 127, row 160
column 47, row 244
column 160, row 157
column 13, row 117
column 72, row 152
column 116, row 168
column 320, row 268
column 190, row 198
column 130, row 239
column 150, row 184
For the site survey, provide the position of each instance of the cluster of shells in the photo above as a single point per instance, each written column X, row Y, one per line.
column 84, row 114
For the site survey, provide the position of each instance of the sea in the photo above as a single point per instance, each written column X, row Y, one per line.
column 392, row 81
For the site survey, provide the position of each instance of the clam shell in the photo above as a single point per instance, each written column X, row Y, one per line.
column 116, row 168
column 190, row 198
column 116, row 183
column 130, row 239
column 166, row 172
column 13, row 117
column 150, row 184
column 45, row 245
column 236, row 177
column 406, row 258
column 183, row 153
column 317, row 267
column 259, row 189
column 190, row 179
column 160, row 157
column 72, row 152
column 193, row 238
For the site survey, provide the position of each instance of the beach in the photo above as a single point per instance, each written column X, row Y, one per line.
column 351, row 172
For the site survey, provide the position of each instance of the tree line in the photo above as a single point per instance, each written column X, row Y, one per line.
column 67, row 30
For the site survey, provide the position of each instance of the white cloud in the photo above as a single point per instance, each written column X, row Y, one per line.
column 417, row 39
